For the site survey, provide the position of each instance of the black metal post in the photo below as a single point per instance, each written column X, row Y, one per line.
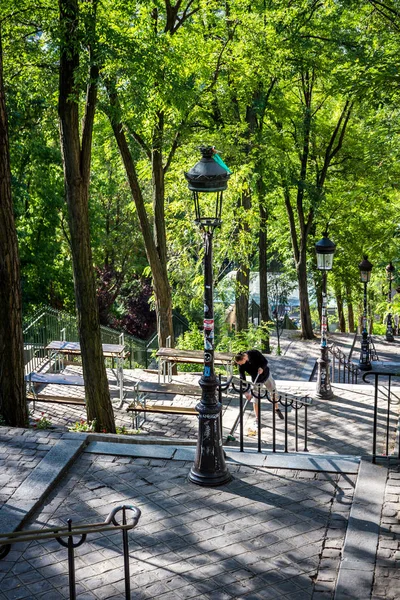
column 125, row 545
column 209, row 468
column 365, row 362
column 324, row 389
column 389, row 323
column 71, row 565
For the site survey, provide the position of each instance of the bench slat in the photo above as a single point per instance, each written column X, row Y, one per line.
column 150, row 387
column 55, row 378
column 153, row 408
column 55, row 399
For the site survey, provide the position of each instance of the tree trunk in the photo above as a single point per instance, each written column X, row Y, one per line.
column 350, row 310
column 76, row 163
column 262, row 250
column 162, row 290
column 242, row 298
column 339, row 303
column 243, row 275
column 305, row 316
column 12, row 385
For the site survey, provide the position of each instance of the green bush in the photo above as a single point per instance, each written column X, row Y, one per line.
column 227, row 341
column 379, row 328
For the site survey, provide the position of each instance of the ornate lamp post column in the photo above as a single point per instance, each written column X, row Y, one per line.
column 389, row 325
column 325, row 250
column 205, row 178
column 365, row 275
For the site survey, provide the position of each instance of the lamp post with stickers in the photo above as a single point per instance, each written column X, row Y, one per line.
column 390, row 269
column 325, row 250
column 365, row 356
column 207, row 180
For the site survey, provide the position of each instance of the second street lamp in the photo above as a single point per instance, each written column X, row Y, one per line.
column 365, row 356
column 208, row 176
column 325, row 250
column 389, row 324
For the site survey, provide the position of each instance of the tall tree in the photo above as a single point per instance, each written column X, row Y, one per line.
column 12, row 385
column 76, row 161
column 157, row 132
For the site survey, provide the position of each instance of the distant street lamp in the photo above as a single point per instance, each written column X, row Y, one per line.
column 389, row 324
column 325, row 250
column 365, row 275
column 208, row 176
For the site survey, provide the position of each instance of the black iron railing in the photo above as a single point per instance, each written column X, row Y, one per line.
column 343, row 370
column 285, row 401
column 65, row 537
column 382, row 383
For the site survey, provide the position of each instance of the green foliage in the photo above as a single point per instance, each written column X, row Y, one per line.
column 226, row 341
column 235, row 82
column 378, row 328
column 231, row 341
column 82, row 425
column 41, row 422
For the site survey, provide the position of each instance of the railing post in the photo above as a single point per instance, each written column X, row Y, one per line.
column 259, row 419
column 71, row 564
column 125, row 545
column 241, row 415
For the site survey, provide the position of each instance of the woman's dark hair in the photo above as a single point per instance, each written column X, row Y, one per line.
column 239, row 356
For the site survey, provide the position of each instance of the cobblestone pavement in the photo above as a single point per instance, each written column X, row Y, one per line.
column 21, row 450
column 387, row 567
column 266, row 534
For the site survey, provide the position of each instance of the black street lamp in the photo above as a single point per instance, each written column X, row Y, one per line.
column 365, row 275
column 325, row 250
column 389, row 324
column 206, row 177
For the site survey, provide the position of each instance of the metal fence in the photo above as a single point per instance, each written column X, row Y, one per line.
column 385, row 419
column 289, row 403
column 49, row 324
column 343, row 370
column 65, row 537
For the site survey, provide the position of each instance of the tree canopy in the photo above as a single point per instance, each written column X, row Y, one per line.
column 300, row 98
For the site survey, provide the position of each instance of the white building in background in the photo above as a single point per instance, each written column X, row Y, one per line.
column 254, row 288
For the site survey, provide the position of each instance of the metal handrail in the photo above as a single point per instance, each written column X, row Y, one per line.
column 349, row 367
column 389, row 376
column 353, row 345
column 285, row 399
column 81, row 530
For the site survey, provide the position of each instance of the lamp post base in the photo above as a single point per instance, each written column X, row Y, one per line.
column 209, row 468
column 365, row 366
column 324, row 390
column 364, row 362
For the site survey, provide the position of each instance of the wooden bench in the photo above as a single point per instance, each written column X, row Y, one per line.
column 168, row 357
column 35, row 379
column 145, row 390
column 41, row 379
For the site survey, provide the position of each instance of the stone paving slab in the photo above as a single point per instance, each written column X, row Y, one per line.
column 387, row 565
column 131, row 450
column 356, row 570
column 300, row 461
column 266, row 534
column 35, row 487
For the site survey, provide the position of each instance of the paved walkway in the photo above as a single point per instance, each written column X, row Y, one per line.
column 321, row 525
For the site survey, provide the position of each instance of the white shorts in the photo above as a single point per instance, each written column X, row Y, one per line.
column 269, row 384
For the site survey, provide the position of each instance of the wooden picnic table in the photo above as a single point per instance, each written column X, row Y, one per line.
column 167, row 357
column 57, row 350
column 62, row 347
